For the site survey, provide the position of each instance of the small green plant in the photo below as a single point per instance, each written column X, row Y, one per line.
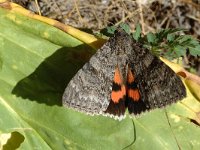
column 168, row 43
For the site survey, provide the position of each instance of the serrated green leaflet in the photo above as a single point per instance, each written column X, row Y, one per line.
column 125, row 27
column 151, row 38
column 38, row 61
column 170, row 37
column 137, row 33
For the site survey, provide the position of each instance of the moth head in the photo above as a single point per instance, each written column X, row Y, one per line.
column 121, row 34
column 122, row 40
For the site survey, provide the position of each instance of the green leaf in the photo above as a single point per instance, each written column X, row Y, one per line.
column 151, row 38
column 108, row 31
column 194, row 50
column 179, row 50
column 126, row 27
column 170, row 37
column 169, row 44
column 1, row 63
column 137, row 33
column 38, row 62
column 163, row 33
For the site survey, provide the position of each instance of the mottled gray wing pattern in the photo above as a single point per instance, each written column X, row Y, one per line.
column 89, row 90
column 158, row 84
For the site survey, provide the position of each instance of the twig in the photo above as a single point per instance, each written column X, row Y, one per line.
column 141, row 16
column 38, row 8
column 79, row 14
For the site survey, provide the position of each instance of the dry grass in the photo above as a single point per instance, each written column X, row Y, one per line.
column 152, row 14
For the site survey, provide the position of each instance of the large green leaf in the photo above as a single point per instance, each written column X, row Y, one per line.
column 38, row 61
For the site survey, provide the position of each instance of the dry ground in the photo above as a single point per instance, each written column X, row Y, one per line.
column 97, row 14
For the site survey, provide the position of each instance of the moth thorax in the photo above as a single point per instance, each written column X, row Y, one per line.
column 123, row 69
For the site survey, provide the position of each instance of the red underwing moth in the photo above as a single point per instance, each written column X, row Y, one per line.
column 123, row 75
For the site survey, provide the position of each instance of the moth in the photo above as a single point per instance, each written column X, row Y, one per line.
column 122, row 75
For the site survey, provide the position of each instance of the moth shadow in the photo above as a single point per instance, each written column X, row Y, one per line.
column 49, row 80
